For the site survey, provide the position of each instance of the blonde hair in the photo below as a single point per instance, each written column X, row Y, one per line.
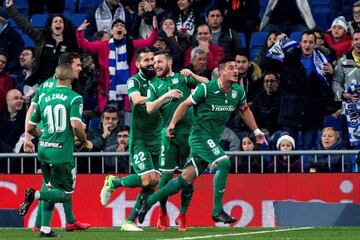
column 336, row 132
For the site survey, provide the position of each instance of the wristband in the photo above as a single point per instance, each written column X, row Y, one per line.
column 258, row 132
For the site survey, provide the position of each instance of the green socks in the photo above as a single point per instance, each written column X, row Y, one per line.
column 186, row 195
column 132, row 181
column 47, row 211
column 134, row 211
column 172, row 187
column 70, row 218
column 222, row 170
column 165, row 178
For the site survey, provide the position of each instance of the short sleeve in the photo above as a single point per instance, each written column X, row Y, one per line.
column 191, row 82
column 35, row 116
column 76, row 108
column 133, row 86
column 199, row 94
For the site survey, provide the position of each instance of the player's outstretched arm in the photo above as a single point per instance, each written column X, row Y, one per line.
column 188, row 73
column 79, row 131
column 179, row 113
column 249, row 120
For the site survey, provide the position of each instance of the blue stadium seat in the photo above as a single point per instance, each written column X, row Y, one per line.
column 257, row 41
column 330, row 121
column 241, row 37
column 69, row 6
column 93, row 123
column 86, row 5
column 262, row 8
column 27, row 40
column 321, row 11
column 76, row 18
column 38, row 20
column 22, row 6
column 295, row 36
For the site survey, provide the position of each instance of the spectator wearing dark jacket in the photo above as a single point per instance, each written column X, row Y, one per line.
column 306, row 92
column 266, row 105
column 6, row 82
column 223, row 36
column 330, row 140
column 56, row 38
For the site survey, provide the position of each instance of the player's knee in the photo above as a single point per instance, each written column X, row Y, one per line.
column 224, row 165
column 189, row 174
column 145, row 180
column 155, row 178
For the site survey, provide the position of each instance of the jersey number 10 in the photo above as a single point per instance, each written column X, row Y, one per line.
column 56, row 118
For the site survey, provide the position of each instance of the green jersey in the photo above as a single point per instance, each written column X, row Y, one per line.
column 143, row 124
column 45, row 87
column 160, row 86
column 213, row 108
column 55, row 109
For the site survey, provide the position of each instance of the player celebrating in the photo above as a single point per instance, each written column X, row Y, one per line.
column 144, row 140
column 60, row 111
column 214, row 103
column 165, row 93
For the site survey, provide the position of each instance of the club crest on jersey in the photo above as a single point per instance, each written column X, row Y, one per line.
column 130, row 83
column 175, row 80
column 234, row 94
column 216, row 151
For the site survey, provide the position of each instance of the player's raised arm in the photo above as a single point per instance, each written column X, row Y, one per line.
column 188, row 73
column 179, row 113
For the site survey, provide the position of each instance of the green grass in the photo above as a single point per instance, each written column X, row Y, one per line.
column 212, row 233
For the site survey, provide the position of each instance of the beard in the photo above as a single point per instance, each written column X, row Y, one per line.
column 164, row 72
column 149, row 71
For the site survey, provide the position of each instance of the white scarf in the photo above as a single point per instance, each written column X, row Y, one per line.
column 104, row 18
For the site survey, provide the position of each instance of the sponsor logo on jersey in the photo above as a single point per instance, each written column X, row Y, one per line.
column 50, row 144
column 222, row 108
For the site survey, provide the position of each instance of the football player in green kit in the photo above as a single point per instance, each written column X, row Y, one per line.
column 60, row 111
column 174, row 151
column 144, row 140
column 73, row 59
column 213, row 103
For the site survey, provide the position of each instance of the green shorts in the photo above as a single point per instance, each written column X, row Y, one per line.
column 204, row 152
column 60, row 176
column 144, row 155
column 174, row 152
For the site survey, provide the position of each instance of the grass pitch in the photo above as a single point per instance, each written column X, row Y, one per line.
column 196, row 233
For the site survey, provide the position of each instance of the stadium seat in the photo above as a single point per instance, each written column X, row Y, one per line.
column 76, row 18
column 38, row 20
column 86, row 5
column 262, row 8
column 69, row 6
column 330, row 121
column 94, row 122
column 22, row 6
column 241, row 37
column 295, row 36
column 321, row 11
column 257, row 41
column 27, row 40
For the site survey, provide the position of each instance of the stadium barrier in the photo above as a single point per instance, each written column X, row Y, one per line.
column 248, row 197
column 89, row 161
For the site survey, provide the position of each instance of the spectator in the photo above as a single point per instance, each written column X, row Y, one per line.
column 11, row 41
column 242, row 16
column 197, row 65
column 266, row 106
column 203, row 38
column 101, row 36
column 355, row 23
column 270, row 41
column 223, row 36
column 251, row 164
column 323, row 46
column 304, row 78
column 147, row 9
column 24, row 80
column 187, row 17
column 287, row 16
column 6, row 82
column 105, row 134
column 121, row 65
column 12, row 120
column 121, row 146
column 176, row 42
column 57, row 37
column 330, row 140
column 337, row 36
column 101, row 17
column 285, row 163
column 52, row 7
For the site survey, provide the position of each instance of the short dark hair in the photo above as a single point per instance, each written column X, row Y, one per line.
column 213, row 8
column 167, row 53
column 110, row 108
column 243, row 52
column 357, row 30
column 117, row 21
column 308, row 32
column 63, row 72
column 270, row 72
column 68, row 57
column 225, row 60
column 124, row 128
column 139, row 51
column 202, row 25
column 29, row 48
